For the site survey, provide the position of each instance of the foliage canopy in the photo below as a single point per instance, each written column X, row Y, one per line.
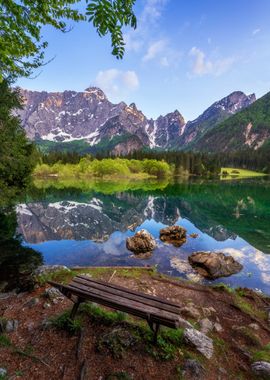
column 21, row 21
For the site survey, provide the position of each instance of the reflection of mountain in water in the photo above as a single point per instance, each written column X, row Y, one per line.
column 98, row 218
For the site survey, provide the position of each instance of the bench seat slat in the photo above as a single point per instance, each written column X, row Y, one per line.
column 126, row 290
column 167, row 319
column 135, row 297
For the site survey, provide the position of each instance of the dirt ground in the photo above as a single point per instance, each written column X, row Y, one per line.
column 42, row 352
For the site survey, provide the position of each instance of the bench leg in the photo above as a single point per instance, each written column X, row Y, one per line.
column 155, row 328
column 75, row 309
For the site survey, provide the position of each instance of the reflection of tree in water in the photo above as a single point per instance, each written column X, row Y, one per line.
column 16, row 262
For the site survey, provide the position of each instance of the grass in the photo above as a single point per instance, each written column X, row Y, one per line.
column 168, row 344
column 223, row 287
column 5, row 341
column 248, row 308
column 64, row 276
column 230, row 173
column 64, row 322
column 98, row 314
column 263, row 354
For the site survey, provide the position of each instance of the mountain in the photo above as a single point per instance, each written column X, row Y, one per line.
column 88, row 122
column 215, row 114
column 249, row 128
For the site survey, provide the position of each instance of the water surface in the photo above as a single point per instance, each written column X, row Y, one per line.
column 86, row 224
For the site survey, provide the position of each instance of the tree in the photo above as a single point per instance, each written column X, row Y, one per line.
column 21, row 44
column 17, row 154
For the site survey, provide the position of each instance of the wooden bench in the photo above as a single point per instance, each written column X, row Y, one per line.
column 156, row 311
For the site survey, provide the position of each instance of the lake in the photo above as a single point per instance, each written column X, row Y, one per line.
column 75, row 223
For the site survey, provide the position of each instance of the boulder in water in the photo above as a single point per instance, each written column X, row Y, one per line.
column 214, row 264
column 175, row 235
column 141, row 242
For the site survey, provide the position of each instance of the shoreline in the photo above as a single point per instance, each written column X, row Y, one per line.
column 235, row 321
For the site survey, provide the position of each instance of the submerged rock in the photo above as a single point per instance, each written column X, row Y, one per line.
column 141, row 242
column 214, row 265
column 200, row 341
column 175, row 235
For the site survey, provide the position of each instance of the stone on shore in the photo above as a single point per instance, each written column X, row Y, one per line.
column 141, row 242
column 261, row 369
column 199, row 341
column 214, row 265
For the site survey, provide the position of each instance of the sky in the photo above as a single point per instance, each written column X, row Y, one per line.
column 184, row 54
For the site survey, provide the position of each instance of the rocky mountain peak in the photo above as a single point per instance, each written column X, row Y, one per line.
column 235, row 101
column 89, row 116
column 96, row 92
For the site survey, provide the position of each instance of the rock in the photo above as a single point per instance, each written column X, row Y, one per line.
column 46, row 323
column 143, row 256
column 32, row 302
column 183, row 323
column 208, row 311
column 46, row 305
column 214, row 265
column 190, row 311
column 3, row 285
column 4, row 296
column 11, row 325
column 218, row 327
column 200, row 341
column 141, row 242
column 116, row 342
column 206, row 325
column 3, row 373
column 261, row 369
column 47, row 269
column 254, row 326
column 175, row 235
column 192, row 369
column 53, row 294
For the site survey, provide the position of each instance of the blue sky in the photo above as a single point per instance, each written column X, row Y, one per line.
column 184, row 55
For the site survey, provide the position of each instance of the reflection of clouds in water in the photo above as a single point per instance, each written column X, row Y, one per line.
column 266, row 277
column 235, row 253
column 261, row 260
column 113, row 245
column 254, row 256
column 183, row 267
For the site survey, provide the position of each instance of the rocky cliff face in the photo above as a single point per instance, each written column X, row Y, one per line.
column 89, row 116
column 215, row 114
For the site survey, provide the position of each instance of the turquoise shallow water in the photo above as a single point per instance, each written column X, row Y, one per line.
column 78, row 227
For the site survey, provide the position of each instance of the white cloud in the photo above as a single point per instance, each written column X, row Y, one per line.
column 117, row 84
column 154, row 49
column 162, row 53
column 256, row 31
column 151, row 13
column 203, row 66
column 130, row 79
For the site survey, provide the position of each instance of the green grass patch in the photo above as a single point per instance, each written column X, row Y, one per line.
column 223, row 288
column 98, row 314
column 262, row 355
column 231, row 173
column 5, row 341
column 64, row 322
column 248, row 308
